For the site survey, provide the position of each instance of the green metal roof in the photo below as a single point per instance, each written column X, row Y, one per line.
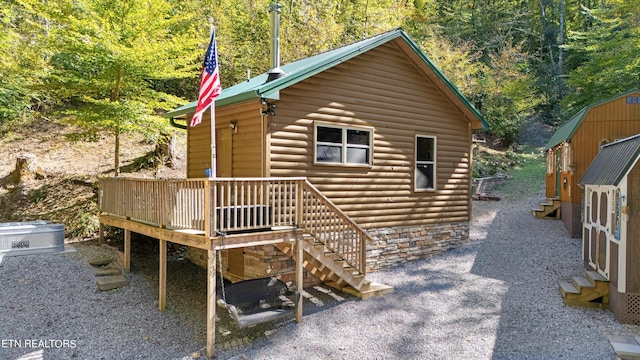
column 613, row 162
column 566, row 131
column 258, row 87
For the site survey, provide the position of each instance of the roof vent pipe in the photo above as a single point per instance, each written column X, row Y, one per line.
column 275, row 72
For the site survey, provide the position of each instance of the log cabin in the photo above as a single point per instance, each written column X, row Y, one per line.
column 374, row 126
column 573, row 147
column 352, row 160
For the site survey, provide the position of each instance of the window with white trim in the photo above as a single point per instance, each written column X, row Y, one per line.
column 566, row 157
column 343, row 145
column 550, row 161
column 425, row 171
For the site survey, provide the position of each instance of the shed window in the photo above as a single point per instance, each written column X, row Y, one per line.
column 342, row 145
column 566, row 157
column 617, row 214
column 633, row 99
column 425, row 172
column 550, row 161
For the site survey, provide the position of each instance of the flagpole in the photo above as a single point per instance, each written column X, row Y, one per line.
column 214, row 166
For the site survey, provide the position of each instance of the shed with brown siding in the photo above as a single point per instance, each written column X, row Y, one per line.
column 374, row 125
column 575, row 144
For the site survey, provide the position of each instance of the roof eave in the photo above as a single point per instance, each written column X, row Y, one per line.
column 245, row 96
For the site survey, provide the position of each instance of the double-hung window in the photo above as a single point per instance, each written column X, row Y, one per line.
column 425, row 172
column 343, row 145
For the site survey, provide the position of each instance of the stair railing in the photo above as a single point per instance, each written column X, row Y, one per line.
column 332, row 227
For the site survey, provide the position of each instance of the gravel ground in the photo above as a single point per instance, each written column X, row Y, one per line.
column 494, row 298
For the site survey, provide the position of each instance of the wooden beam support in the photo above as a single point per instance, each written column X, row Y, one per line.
column 299, row 277
column 184, row 238
column 101, row 234
column 162, row 289
column 127, row 250
column 267, row 237
column 211, row 304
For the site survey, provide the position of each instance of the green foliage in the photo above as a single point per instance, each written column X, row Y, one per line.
column 22, row 64
column 107, row 56
column 607, row 54
column 38, row 195
column 111, row 66
column 489, row 163
column 527, row 178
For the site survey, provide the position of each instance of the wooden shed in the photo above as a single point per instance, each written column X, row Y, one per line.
column 574, row 146
column 374, row 125
column 611, row 239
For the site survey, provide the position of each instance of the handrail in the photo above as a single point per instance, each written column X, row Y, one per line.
column 333, row 228
column 237, row 204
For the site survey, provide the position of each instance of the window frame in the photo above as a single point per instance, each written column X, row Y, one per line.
column 344, row 146
column 566, row 157
column 433, row 162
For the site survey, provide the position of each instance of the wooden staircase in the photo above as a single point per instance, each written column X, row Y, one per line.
column 549, row 209
column 591, row 290
column 334, row 271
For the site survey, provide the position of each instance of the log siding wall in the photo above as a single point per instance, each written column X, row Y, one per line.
column 247, row 144
column 386, row 91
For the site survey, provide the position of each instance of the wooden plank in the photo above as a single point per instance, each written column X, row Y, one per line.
column 183, row 238
column 211, row 304
column 162, row 288
column 252, row 239
column 127, row 250
column 101, row 234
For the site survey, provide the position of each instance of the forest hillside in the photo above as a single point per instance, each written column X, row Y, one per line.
column 85, row 83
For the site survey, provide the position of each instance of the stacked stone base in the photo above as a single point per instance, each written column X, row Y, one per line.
column 395, row 246
column 391, row 247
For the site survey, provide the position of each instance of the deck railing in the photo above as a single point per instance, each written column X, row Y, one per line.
column 235, row 205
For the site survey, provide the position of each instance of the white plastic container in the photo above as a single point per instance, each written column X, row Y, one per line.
column 30, row 237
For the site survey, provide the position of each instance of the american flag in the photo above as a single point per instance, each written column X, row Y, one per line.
column 210, row 87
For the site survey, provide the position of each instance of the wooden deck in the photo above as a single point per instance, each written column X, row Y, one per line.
column 223, row 213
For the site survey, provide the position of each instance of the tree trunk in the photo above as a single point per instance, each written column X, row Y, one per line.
column 117, row 153
column 166, row 150
column 560, row 52
column 26, row 168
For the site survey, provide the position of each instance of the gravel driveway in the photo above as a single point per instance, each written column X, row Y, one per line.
column 494, row 298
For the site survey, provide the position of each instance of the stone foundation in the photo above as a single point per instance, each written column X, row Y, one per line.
column 394, row 246
column 391, row 246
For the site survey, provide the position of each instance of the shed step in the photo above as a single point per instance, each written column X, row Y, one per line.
column 581, row 281
column 594, row 276
column 568, row 288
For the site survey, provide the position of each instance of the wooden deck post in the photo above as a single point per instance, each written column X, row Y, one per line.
column 162, row 298
column 127, row 250
column 101, row 234
column 299, row 277
column 211, row 305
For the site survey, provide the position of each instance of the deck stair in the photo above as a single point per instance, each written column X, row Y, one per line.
column 591, row 290
column 332, row 270
column 549, row 209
